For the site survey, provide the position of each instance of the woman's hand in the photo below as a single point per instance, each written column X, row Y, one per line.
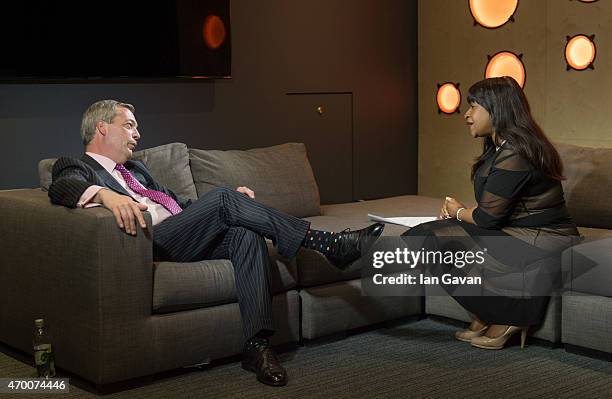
column 451, row 206
column 443, row 212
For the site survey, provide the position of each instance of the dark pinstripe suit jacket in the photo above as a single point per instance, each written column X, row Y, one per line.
column 71, row 177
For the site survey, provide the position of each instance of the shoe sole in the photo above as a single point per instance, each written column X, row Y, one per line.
column 508, row 342
column 279, row 384
column 247, row 367
column 487, row 347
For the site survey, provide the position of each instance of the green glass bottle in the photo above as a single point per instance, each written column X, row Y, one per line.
column 43, row 351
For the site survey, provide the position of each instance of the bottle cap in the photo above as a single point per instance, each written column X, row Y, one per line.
column 39, row 322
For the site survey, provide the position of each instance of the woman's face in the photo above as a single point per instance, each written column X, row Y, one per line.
column 478, row 121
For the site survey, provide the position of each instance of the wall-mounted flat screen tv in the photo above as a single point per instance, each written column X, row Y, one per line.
column 49, row 41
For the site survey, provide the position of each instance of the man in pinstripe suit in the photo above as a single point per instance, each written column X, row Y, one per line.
column 222, row 224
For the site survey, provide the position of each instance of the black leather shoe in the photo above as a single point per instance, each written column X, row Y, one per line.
column 350, row 245
column 261, row 359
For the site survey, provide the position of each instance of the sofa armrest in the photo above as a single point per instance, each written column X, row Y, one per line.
column 76, row 269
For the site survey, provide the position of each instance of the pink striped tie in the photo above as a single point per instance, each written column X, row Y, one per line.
column 161, row 198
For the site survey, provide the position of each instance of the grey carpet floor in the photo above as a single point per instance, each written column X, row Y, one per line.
column 415, row 360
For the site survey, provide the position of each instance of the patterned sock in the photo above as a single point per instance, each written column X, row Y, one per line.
column 319, row 240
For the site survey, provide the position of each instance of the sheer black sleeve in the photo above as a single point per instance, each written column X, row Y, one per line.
column 505, row 183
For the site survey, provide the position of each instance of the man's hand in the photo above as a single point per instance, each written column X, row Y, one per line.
column 247, row 191
column 125, row 209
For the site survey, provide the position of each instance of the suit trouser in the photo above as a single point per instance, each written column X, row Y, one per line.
column 225, row 224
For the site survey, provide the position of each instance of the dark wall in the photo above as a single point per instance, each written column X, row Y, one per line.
column 363, row 49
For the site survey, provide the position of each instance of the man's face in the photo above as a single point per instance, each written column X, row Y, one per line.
column 121, row 135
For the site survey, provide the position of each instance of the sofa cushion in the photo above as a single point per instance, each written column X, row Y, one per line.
column 403, row 205
column 178, row 286
column 44, row 172
column 587, row 267
column 592, row 234
column 281, row 176
column 193, row 285
column 338, row 307
column 586, row 321
column 168, row 164
column 314, row 269
column 589, row 180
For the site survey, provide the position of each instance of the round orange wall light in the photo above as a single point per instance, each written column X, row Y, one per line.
column 492, row 13
column 580, row 52
column 213, row 32
column 448, row 98
column 506, row 63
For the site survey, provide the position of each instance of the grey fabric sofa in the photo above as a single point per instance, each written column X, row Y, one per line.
column 587, row 299
column 115, row 314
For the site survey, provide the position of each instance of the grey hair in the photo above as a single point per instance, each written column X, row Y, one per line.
column 104, row 110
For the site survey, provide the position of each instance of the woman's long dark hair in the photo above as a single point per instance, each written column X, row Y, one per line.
column 511, row 117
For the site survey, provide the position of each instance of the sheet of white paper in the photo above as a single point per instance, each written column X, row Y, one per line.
column 409, row 221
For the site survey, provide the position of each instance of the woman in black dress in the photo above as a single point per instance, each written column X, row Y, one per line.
column 520, row 218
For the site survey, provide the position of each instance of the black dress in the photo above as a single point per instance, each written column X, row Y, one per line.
column 522, row 221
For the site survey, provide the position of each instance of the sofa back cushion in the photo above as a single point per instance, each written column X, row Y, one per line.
column 168, row 164
column 281, row 176
column 588, row 184
column 45, row 166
